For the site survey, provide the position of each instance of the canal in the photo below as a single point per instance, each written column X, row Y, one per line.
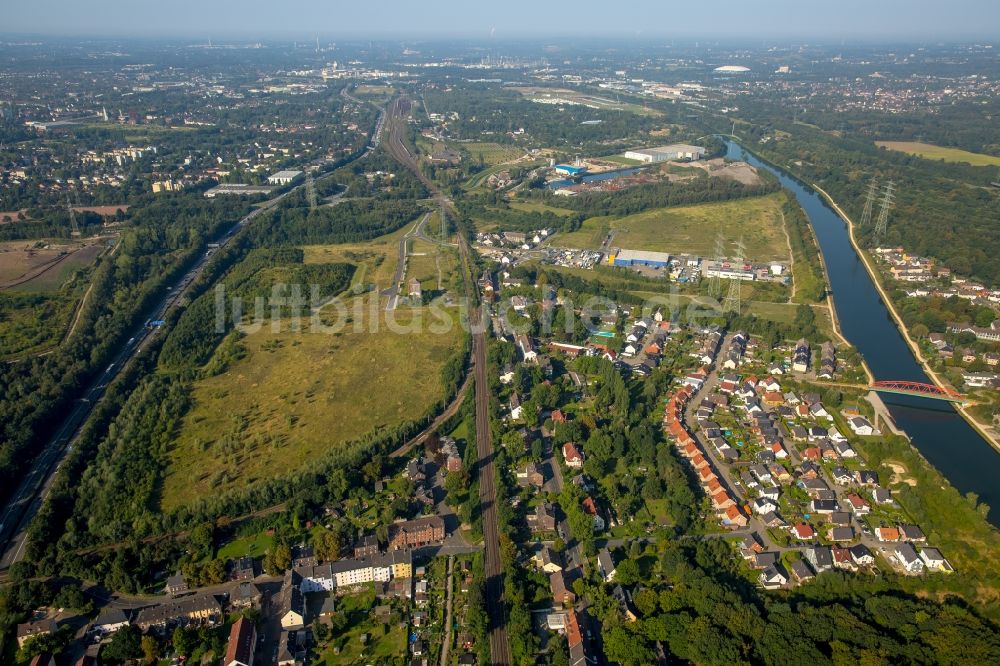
column 938, row 432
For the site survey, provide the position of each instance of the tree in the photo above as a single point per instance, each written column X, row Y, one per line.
column 125, row 644
column 985, row 317
column 627, row 648
column 627, row 572
column 278, row 559
column 150, row 648
column 920, row 331
column 326, row 545
column 183, row 643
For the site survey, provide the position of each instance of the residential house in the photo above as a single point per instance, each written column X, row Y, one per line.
column 198, row 608
column 176, row 585
column 415, row 533
column 561, row 594
column 590, row 508
column 246, row 595
column 772, row 578
column 572, row 455
column 29, row 630
column 109, row 620
column 908, row 559
column 820, row 557
column 242, row 644
column 530, row 475
column 934, row 560
column 546, row 560
column 801, row 571
column 606, row 565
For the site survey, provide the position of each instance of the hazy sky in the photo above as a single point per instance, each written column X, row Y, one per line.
column 885, row 20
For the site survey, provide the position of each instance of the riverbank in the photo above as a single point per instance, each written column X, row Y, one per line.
column 876, row 279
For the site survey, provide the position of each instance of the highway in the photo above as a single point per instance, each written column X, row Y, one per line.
column 37, row 483
column 499, row 644
column 35, row 486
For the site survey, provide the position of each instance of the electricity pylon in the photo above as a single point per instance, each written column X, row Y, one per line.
column 888, row 200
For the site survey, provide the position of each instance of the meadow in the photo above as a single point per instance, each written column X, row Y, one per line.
column 295, row 396
column 693, row 229
column 931, row 152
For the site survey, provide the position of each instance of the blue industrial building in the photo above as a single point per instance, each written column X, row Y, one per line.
column 570, row 170
column 628, row 258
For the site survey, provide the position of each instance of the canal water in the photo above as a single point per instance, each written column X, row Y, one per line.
column 938, row 432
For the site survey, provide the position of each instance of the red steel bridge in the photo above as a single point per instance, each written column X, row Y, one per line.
column 918, row 389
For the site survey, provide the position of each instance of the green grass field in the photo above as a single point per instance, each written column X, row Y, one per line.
column 432, row 264
column 931, row 152
column 254, row 546
column 376, row 259
column 295, row 397
column 693, row 229
column 31, row 323
column 385, row 643
column 491, row 153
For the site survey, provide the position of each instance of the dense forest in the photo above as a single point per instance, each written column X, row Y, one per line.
column 943, row 210
column 498, row 113
column 658, row 195
column 162, row 237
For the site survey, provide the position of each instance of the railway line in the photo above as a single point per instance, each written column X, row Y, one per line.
column 496, row 612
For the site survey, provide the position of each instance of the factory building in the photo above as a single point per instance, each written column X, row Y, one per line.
column 675, row 151
column 629, row 258
column 283, row 177
column 568, row 170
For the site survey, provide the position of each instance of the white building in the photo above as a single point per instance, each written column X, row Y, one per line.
column 674, row 151
column 283, row 177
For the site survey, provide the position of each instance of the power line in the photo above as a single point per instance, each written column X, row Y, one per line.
column 888, row 201
column 732, row 302
column 866, row 216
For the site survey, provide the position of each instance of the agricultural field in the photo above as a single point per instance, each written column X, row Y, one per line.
column 929, row 151
column 693, row 229
column 295, row 396
column 40, row 266
column 40, row 284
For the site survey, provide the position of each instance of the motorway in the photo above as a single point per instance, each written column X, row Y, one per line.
column 499, row 645
column 37, row 483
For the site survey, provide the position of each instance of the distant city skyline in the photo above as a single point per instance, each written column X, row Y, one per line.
column 862, row 20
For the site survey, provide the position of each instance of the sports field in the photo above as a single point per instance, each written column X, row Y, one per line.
column 931, row 152
column 693, row 229
column 294, row 397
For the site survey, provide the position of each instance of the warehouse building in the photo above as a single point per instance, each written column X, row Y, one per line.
column 630, row 258
column 283, row 177
column 568, row 170
column 675, row 151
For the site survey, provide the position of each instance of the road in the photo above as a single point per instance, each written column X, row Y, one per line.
column 37, row 483
column 416, row 231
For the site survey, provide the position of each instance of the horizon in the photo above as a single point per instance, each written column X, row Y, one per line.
column 849, row 21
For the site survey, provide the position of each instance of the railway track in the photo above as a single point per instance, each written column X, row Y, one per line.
column 499, row 643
